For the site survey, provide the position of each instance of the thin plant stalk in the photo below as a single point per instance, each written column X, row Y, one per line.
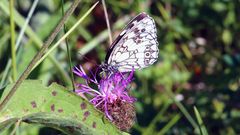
column 158, row 117
column 39, row 54
column 100, row 38
column 19, row 20
column 107, row 21
column 12, row 31
column 33, row 7
column 166, row 128
column 201, row 125
column 64, row 36
column 68, row 52
column 182, row 108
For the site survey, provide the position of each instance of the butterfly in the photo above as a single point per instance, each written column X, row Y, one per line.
column 135, row 48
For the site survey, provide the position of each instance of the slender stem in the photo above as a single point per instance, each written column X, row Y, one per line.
column 158, row 117
column 64, row 36
column 19, row 20
column 68, row 52
column 39, row 54
column 182, row 109
column 167, row 127
column 33, row 7
column 99, row 38
column 13, row 50
column 107, row 21
column 202, row 127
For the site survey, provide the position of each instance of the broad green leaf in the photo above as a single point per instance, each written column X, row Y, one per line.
column 56, row 107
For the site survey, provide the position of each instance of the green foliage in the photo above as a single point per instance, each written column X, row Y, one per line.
column 202, row 127
column 56, row 107
column 198, row 62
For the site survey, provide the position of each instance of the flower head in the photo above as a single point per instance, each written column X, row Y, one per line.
column 112, row 96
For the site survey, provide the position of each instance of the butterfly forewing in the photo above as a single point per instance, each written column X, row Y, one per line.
column 136, row 47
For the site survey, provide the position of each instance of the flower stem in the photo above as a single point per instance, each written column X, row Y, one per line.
column 182, row 109
column 39, row 54
column 13, row 50
column 64, row 36
column 68, row 51
column 107, row 21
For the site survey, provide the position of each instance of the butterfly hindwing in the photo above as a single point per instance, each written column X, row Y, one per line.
column 136, row 47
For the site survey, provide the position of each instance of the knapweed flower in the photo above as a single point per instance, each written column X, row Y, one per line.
column 110, row 97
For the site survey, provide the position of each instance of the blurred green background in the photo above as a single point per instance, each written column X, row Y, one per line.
column 198, row 62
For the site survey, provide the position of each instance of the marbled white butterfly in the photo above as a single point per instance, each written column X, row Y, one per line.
column 135, row 48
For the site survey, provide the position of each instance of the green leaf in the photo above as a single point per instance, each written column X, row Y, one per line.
column 56, row 107
column 227, row 37
column 202, row 127
column 219, row 6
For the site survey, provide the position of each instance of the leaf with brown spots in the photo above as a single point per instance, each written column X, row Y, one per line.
column 54, row 106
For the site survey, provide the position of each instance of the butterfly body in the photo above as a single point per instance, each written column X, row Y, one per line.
column 135, row 48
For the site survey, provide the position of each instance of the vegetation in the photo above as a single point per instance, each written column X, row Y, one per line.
column 192, row 89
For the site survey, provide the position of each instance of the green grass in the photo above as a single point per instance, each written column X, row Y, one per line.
column 198, row 59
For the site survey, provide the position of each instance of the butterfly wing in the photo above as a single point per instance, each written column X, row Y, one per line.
column 136, row 47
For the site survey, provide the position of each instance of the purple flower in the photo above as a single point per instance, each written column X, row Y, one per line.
column 111, row 94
